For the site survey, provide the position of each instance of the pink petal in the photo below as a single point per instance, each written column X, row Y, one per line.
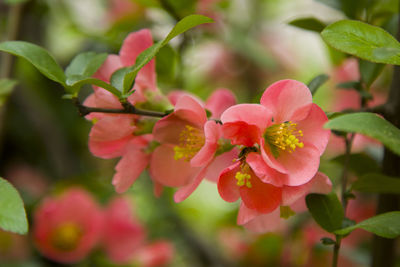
column 185, row 191
column 284, row 97
column 227, row 187
column 245, row 214
column 173, row 96
column 220, row 163
column 321, row 184
column 270, row 159
column 112, row 128
column 169, row 128
column 312, row 127
column 264, row 172
column 261, row 197
column 302, row 164
column 219, row 101
column 128, row 169
column 188, row 108
column 158, row 189
column 109, row 66
column 133, row 45
column 159, row 253
column 241, row 133
column 90, row 101
column 212, row 133
column 168, row 171
column 251, row 114
column 263, row 223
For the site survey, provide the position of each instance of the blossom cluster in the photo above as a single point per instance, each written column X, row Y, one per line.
column 265, row 154
column 68, row 227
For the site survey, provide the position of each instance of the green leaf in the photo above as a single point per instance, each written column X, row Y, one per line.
column 385, row 225
column 359, row 163
column 12, row 211
column 310, row 24
column 326, row 210
column 369, row 71
column 6, row 88
column 377, row 183
column 85, row 64
column 317, row 82
column 38, row 57
column 76, row 82
column 363, row 40
column 368, row 124
column 147, row 55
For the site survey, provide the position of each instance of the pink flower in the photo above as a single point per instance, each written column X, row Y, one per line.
column 189, row 142
column 124, row 238
column 293, row 200
column 287, row 127
column 123, row 234
column 67, row 227
column 116, row 135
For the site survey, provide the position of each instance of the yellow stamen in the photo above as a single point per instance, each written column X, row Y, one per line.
column 191, row 141
column 66, row 237
column 243, row 177
column 284, row 136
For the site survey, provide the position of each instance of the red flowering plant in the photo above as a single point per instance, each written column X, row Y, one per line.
column 266, row 155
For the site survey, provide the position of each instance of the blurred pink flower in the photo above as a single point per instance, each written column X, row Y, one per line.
column 123, row 234
column 67, row 227
column 124, row 238
column 123, row 9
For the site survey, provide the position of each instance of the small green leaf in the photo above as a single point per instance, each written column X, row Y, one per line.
column 350, row 85
column 369, row 71
column 310, row 24
column 38, row 57
column 6, row 88
column 76, row 82
column 12, row 211
column 363, row 40
column 368, row 124
column 183, row 25
column 377, row 183
column 286, row 212
column 326, row 210
column 317, row 82
column 385, row 225
column 359, row 163
column 85, row 64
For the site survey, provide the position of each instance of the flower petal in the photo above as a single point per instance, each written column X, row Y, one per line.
column 251, row 114
column 263, row 223
column 133, row 45
column 109, row 66
column 312, row 127
column 264, row 172
column 168, row 171
column 261, row 197
column 128, row 169
column 185, row 191
column 227, row 187
column 241, row 133
column 284, row 97
column 220, row 163
column 219, row 101
column 188, row 108
column 302, row 164
column 212, row 132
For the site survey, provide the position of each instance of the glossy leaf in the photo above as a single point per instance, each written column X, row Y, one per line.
column 369, row 71
column 85, row 64
column 12, row 211
column 317, row 82
column 359, row 163
column 326, row 210
column 385, row 225
column 377, row 183
column 38, row 57
column 363, row 40
column 76, row 82
column 310, row 24
column 368, row 124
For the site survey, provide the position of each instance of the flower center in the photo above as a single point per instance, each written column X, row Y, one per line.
column 191, row 140
column 66, row 237
column 243, row 176
column 284, row 136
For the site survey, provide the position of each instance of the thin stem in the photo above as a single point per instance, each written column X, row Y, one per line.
column 348, row 143
column 336, row 249
column 127, row 109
